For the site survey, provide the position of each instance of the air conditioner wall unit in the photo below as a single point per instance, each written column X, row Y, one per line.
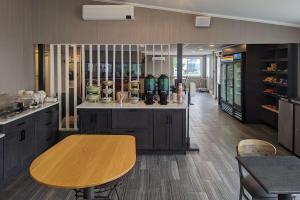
column 202, row 21
column 107, row 12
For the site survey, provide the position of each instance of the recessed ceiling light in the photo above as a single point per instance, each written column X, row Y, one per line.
column 211, row 45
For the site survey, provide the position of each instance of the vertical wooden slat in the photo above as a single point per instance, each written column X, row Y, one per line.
column 161, row 62
column 130, row 63
column 138, row 61
column 67, row 85
column 75, row 85
column 106, row 62
column 59, row 85
column 98, row 66
column 153, row 62
column 114, row 71
column 122, row 68
column 146, row 60
column 83, row 71
column 52, row 79
column 169, row 63
column 91, row 64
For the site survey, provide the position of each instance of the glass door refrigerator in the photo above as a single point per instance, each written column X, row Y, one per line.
column 231, row 85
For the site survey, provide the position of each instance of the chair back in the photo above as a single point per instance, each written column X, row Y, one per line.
column 254, row 147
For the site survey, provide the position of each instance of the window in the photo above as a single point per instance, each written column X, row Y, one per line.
column 190, row 66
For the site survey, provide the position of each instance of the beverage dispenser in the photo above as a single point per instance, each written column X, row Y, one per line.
column 163, row 89
column 149, row 89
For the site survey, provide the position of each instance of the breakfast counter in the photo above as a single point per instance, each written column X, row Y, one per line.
column 156, row 127
column 139, row 105
column 25, row 113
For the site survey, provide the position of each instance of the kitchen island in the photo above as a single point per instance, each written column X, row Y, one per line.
column 157, row 128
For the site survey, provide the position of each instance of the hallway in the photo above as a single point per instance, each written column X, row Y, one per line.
column 210, row 174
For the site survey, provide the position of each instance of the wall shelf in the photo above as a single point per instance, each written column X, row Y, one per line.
column 270, row 109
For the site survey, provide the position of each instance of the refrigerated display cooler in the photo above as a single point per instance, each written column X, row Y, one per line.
column 231, row 100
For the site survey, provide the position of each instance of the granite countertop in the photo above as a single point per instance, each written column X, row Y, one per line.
column 140, row 105
column 26, row 113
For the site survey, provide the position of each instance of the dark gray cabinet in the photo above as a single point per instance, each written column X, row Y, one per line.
column 297, row 130
column 132, row 118
column 177, row 130
column 286, row 125
column 162, row 129
column 1, row 160
column 136, row 122
column 143, row 137
column 154, row 129
column 169, row 129
column 46, row 129
column 94, row 120
column 19, row 146
column 25, row 139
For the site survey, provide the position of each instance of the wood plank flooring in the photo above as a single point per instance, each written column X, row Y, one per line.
column 210, row 174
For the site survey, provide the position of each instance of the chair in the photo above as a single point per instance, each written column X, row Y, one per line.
column 253, row 147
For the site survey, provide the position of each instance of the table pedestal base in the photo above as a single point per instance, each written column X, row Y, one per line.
column 94, row 193
column 285, row 197
column 89, row 193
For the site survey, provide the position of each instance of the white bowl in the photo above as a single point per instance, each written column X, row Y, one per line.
column 134, row 100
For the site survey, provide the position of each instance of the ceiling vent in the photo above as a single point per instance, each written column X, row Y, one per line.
column 107, row 12
column 202, row 21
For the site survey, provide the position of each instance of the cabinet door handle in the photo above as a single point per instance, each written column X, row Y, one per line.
column 22, row 135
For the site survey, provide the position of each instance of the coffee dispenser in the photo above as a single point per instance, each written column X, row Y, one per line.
column 163, row 89
column 149, row 89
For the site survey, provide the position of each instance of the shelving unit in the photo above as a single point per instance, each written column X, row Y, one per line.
column 278, row 74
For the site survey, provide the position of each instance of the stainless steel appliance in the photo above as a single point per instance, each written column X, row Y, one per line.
column 286, row 124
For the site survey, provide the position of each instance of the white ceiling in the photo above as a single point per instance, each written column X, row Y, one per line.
column 282, row 12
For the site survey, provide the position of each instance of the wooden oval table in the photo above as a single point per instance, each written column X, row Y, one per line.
column 85, row 161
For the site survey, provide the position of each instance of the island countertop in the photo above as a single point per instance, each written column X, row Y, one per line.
column 26, row 113
column 140, row 105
